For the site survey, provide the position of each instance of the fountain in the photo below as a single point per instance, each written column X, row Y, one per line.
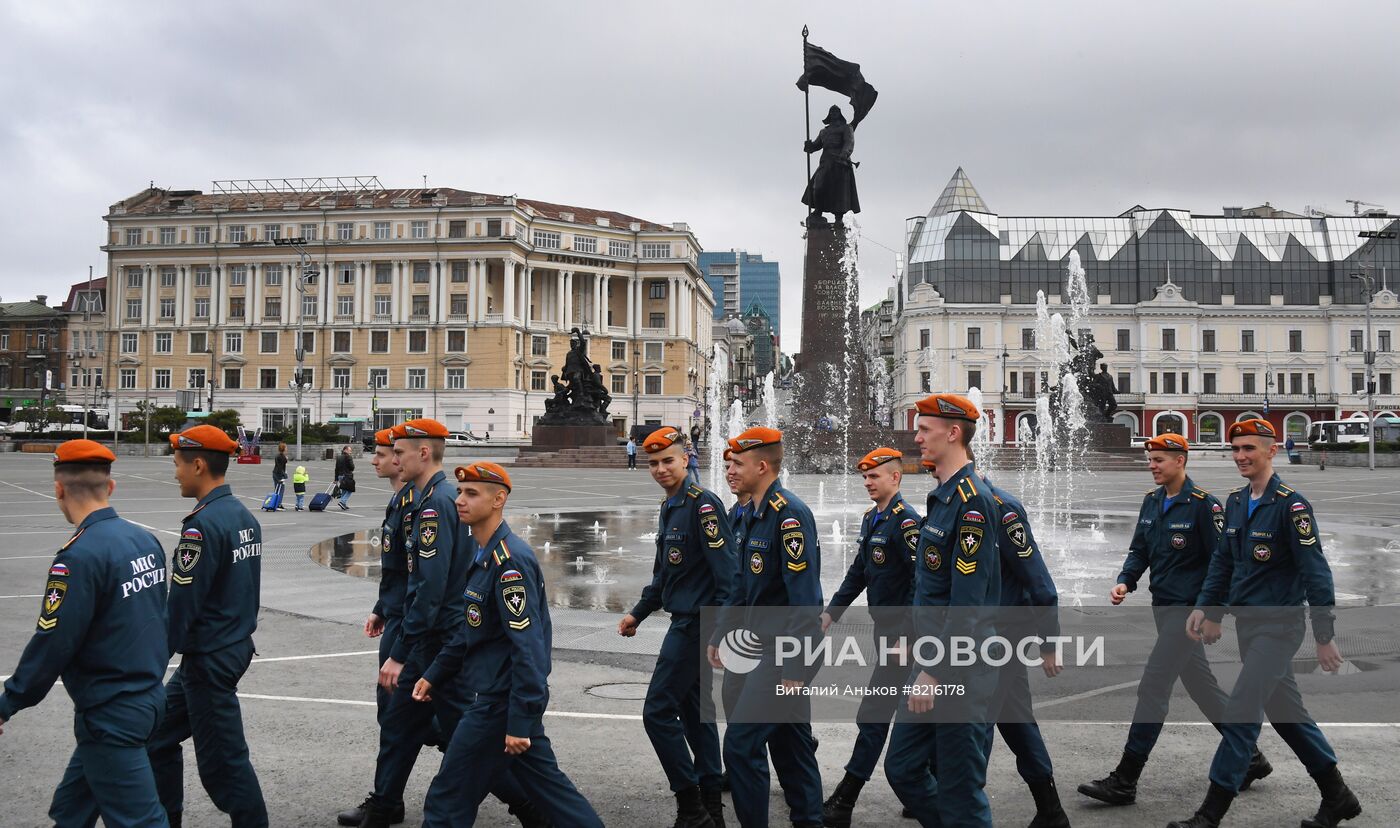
column 600, row 576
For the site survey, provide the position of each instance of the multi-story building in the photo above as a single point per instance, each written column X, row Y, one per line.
column 1202, row 320
column 414, row 302
column 739, row 279
column 33, row 348
column 86, row 354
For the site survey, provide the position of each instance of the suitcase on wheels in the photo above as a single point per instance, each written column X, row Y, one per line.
column 321, row 500
column 273, row 502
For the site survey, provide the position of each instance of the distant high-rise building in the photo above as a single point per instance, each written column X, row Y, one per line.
column 738, row 279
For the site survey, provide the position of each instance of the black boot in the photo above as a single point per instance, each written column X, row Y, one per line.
column 529, row 815
column 356, row 815
column 174, row 818
column 378, row 817
column 713, row 800
column 1259, row 768
column 1210, row 813
column 1338, row 802
column 690, row 811
column 1120, row 786
column 1049, row 813
column 836, row 811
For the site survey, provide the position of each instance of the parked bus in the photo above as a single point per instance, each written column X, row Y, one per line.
column 1353, row 431
column 63, row 419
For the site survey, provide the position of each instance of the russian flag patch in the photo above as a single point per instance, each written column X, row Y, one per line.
column 428, row 513
column 192, row 534
column 59, row 569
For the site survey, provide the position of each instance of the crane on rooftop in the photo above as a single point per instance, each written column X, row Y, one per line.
column 1356, row 206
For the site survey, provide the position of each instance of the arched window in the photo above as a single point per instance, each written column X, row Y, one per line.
column 1168, row 422
column 1210, row 428
column 1249, row 415
column 1025, row 428
column 1128, row 419
column 1295, row 425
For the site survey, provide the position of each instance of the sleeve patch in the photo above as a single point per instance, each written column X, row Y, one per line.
column 514, row 598
column 54, row 593
column 1302, row 521
column 1298, row 507
column 511, row 575
column 192, row 534
column 522, row 624
column 908, row 523
column 706, row 508
column 1017, row 534
column 428, row 514
column 795, row 544
column 187, row 554
column 973, row 516
column 710, row 525
column 59, row 570
column 966, row 567
column 969, row 540
column 427, row 532
column 1009, row 516
column 790, row 523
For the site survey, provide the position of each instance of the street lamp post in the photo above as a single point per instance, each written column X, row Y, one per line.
column 1370, row 360
column 305, row 271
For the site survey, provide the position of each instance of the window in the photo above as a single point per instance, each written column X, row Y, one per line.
column 585, row 244
column 272, row 231
column 379, row 378
column 272, row 275
column 201, row 277
column 383, row 304
column 127, row 379
column 167, row 235
column 456, row 341
column 656, row 250
column 199, row 343
column 456, row 379
column 974, row 339
column 308, row 306
column 340, row 342
column 194, row 378
column 77, row 377
column 381, row 230
column 1312, row 383
column 653, row 351
column 420, row 305
column 167, row 277
column 417, row 342
column 165, row 343
column 308, row 342
column 282, row 419
column 344, row 230
column 96, row 378
column 1208, row 382
column 1208, row 341
column 233, row 342
column 1384, row 384
column 1169, row 339
column 1169, row 382
column 546, row 240
column 201, row 235
column 133, row 309
column 267, row 378
column 237, row 275
column 974, row 379
column 345, row 305
column 1247, row 382
column 537, row 379
column 233, row 378
column 162, row 379
column 237, row 233
column 1383, row 341
column 308, row 232
column 1152, row 382
column 539, row 346
column 235, row 307
column 619, row 249
column 619, row 351
column 1125, row 339
column 267, row 343
column 656, row 320
column 460, row 272
column 344, row 273
column 1247, row 342
column 458, row 304
column 457, row 229
column 133, row 235
column 1295, row 383
column 419, row 229
column 379, row 342
column 652, row 384
column 167, row 308
column 272, row 307
column 340, row 378
column 131, row 343
column 1124, row 385
column 420, row 273
column 1028, row 339
column 1358, row 382
column 417, row 379
column 619, row 383
column 1295, row 341
column 493, row 228
column 656, row 289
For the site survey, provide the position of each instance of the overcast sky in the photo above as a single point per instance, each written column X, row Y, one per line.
column 688, row 112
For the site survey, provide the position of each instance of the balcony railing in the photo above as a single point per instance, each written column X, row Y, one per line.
column 1274, row 399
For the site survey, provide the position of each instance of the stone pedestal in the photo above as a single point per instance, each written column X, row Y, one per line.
column 571, row 436
column 824, row 300
column 1109, row 436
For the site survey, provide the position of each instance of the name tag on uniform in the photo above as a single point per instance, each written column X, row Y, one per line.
column 1258, row 534
column 877, row 538
column 758, row 543
column 1232, row 531
column 934, row 531
column 1179, row 525
column 1145, row 521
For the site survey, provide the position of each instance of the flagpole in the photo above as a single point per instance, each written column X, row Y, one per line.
column 807, row 106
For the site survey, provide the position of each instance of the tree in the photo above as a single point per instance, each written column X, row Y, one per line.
column 226, row 419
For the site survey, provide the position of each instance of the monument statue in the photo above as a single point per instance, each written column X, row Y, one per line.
column 1096, row 389
column 581, row 399
column 833, row 186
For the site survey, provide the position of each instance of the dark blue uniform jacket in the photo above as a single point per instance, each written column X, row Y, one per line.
column 215, row 576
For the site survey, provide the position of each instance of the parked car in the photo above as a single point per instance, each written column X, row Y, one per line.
column 463, row 438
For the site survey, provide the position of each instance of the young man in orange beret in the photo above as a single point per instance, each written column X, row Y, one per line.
column 694, row 568
column 1270, row 558
column 101, row 627
column 883, row 568
column 213, row 611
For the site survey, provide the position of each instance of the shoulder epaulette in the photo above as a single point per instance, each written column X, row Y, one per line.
column 777, row 501
column 196, row 511
column 1151, row 491
column 501, row 554
column 966, row 489
column 694, row 491
column 77, row 535
column 1199, row 494
column 1284, row 491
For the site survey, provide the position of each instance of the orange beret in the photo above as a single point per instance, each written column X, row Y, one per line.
column 397, row 432
column 204, row 438
column 1252, row 428
column 728, row 452
column 929, row 465
column 1167, row 442
column 483, row 472
column 753, row 438
column 425, row 427
column 82, row 451
column 878, row 457
column 662, row 438
column 949, row 406
column 384, row 437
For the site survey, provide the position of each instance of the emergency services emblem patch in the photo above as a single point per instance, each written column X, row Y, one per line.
column 794, row 543
column 1303, row 523
column 969, row 540
column 1219, row 522
column 474, row 615
column 1017, row 534
column 54, row 593
column 386, row 541
column 756, row 563
column 427, row 533
column 1178, row 541
column 878, row 554
column 710, row 525
column 187, row 555
column 673, row 555
column 932, row 559
column 1262, row 552
column 514, row 597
